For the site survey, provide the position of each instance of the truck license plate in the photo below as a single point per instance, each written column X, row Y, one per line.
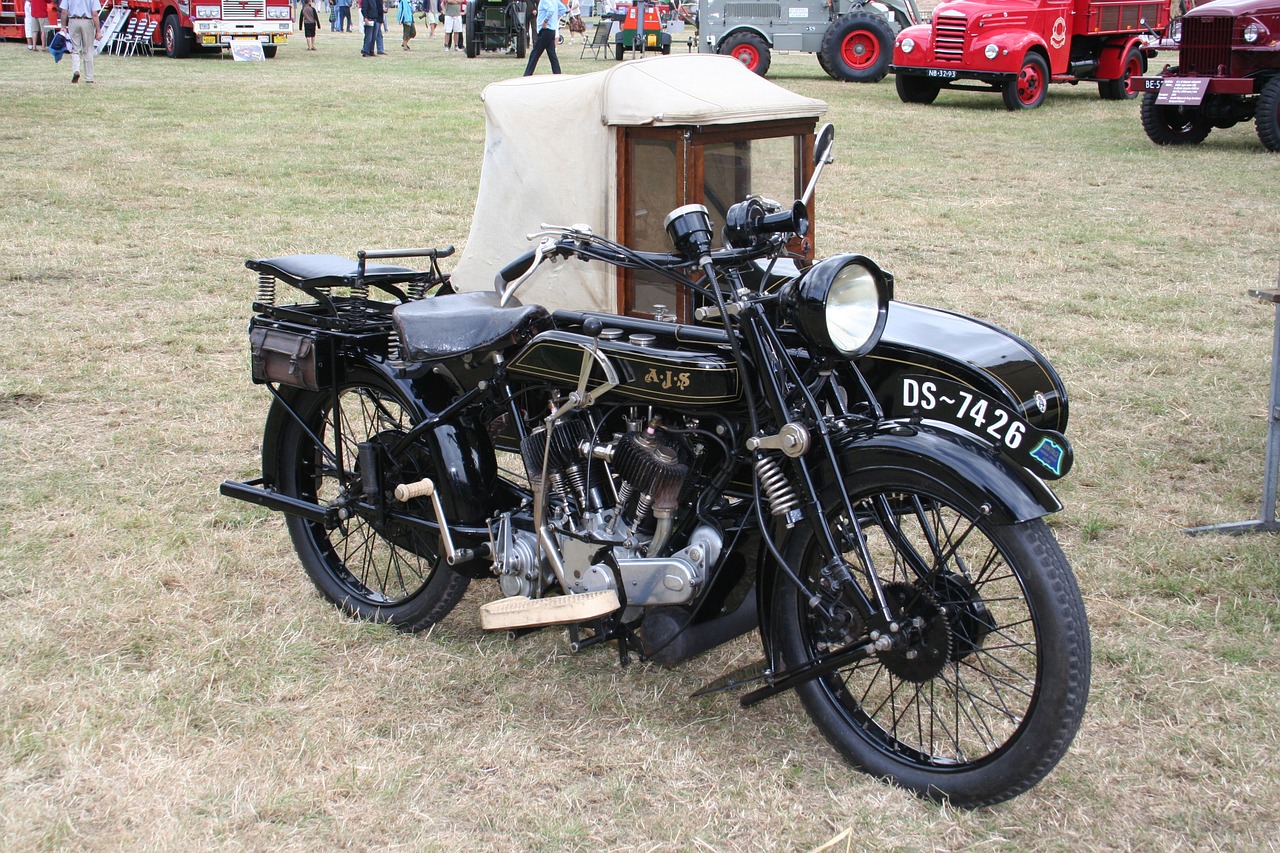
column 1045, row 453
column 946, row 73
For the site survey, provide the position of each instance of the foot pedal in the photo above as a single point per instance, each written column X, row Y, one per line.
column 520, row 612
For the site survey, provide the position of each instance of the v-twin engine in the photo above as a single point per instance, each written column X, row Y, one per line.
column 610, row 509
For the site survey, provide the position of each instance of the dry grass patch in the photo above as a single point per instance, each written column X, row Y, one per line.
column 169, row 680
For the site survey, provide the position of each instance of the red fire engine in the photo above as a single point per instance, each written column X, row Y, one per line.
column 1017, row 47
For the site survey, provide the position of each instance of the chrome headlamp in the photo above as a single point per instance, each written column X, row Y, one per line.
column 840, row 305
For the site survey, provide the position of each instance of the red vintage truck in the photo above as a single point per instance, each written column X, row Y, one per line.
column 181, row 26
column 1018, row 47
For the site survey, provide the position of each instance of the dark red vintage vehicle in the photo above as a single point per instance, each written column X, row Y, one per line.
column 1228, row 71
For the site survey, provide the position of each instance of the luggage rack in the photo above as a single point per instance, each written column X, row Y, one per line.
column 325, row 277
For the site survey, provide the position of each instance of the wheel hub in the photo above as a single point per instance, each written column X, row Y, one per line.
column 924, row 642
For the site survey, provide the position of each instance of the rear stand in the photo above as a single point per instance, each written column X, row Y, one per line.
column 1266, row 522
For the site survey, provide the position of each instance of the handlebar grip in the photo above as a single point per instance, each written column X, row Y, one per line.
column 406, row 492
column 518, row 267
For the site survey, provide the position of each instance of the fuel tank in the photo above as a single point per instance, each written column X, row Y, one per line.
column 647, row 372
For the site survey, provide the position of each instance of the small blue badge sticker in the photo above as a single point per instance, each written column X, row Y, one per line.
column 1049, row 454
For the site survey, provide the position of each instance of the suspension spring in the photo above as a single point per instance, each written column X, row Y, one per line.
column 777, row 491
column 417, row 290
column 266, row 289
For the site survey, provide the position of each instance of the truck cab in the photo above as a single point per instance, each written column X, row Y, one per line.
column 1228, row 72
column 1018, row 47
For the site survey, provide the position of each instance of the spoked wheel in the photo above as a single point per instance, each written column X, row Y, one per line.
column 983, row 685
column 370, row 565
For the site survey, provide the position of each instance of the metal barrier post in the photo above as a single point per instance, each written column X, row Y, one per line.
column 1266, row 522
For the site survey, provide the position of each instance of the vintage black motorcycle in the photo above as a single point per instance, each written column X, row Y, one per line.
column 806, row 457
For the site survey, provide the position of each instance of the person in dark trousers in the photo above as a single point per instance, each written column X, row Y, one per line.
column 549, row 12
column 371, row 11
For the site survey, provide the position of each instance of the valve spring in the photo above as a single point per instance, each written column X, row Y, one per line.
column 777, row 491
column 266, row 288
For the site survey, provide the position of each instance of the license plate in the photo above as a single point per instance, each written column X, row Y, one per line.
column 940, row 72
column 1151, row 84
column 1045, row 453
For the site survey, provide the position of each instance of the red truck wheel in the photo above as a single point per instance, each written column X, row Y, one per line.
column 1171, row 125
column 1118, row 90
column 177, row 38
column 1027, row 90
column 749, row 49
column 1268, row 116
column 857, row 48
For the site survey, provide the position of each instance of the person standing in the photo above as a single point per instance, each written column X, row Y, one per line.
column 432, row 10
column 549, row 12
column 309, row 19
column 37, row 16
column 404, row 14
column 452, row 25
column 83, row 28
column 371, row 12
column 344, row 16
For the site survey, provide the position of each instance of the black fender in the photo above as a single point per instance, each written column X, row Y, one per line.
column 464, row 453
column 930, row 455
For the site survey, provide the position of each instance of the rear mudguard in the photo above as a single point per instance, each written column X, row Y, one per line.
column 930, row 456
column 465, row 457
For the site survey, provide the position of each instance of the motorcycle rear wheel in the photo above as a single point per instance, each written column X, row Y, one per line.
column 371, row 568
column 985, row 695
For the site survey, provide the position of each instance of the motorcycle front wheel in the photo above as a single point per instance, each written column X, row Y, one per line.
column 985, row 685
column 370, row 565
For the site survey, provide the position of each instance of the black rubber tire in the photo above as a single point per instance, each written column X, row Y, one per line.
column 857, row 48
column 269, row 50
column 1135, row 65
column 473, row 44
column 914, row 89
column 749, row 49
column 932, row 715
column 176, row 38
column 1267, row 119
column 382, row 573
column 1027, row 90
column 1172, row 125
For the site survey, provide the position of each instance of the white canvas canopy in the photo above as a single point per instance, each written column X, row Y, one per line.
column 550, row 156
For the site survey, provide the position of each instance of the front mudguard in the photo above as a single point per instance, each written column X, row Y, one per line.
column 933, row 457
column 464, row 456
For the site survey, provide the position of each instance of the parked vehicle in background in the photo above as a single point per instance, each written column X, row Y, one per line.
column 495, row 25
column 1228, row 71
column 853, row 39
column 180, row 26
column 1018, row 47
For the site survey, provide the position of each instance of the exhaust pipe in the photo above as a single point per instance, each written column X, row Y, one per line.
column 668, row 637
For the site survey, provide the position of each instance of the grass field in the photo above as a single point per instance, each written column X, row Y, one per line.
column 168, row 680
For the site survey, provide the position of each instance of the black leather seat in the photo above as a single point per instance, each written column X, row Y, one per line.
column 328, row 270
column 448, row 326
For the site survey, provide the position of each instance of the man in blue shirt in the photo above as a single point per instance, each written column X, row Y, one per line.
column 344, row 16
column 549, row 12
column 80, row 18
